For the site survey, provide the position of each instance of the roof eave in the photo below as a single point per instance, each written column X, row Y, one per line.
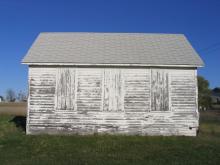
column 108, row 64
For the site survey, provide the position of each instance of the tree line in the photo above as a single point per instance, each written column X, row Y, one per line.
column 205, row 93
column 12, row 96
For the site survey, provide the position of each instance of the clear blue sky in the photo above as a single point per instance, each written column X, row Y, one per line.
column 21, row 21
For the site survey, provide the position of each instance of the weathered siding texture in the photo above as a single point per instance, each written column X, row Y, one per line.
column 144, row 101
column 159, row 90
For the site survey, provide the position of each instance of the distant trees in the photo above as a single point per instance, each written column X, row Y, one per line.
column 11, row 96
column 21, row 96
column 216, row 98
column 204, row 93
column 216, row 90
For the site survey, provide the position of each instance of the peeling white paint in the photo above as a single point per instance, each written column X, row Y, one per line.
column 112, row 100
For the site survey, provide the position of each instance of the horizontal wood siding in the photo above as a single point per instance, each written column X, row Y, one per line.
column 109, row 100
column 183, row 88
column 89, row 90
column 41, row 100
column 137, row 90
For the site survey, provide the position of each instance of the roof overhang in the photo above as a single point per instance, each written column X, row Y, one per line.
column 109, row 65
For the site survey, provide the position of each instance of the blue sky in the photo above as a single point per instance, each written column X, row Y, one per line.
column 21, row 21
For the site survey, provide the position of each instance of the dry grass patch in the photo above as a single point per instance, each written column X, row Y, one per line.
column 16, row 109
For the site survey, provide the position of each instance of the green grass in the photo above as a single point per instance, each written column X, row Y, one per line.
column 20, row 149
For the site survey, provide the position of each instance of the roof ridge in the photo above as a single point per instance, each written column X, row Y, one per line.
column 128, row 33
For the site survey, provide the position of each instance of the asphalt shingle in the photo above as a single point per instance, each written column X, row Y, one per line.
column 112, row 48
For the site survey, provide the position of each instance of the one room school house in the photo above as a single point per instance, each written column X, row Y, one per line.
column 114, row 83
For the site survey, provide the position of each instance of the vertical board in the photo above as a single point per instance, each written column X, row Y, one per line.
column 159, row 90
column 113, row 90
column 137, row 90
column 89, row 90
column 65, row 89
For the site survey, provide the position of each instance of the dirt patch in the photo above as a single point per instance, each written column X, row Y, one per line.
column 15, row 109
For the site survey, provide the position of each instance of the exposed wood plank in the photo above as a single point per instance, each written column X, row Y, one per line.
column 113, row 90
column 159, row 90
column 65, row 92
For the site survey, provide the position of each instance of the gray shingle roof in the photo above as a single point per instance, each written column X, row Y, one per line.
column 112, row 48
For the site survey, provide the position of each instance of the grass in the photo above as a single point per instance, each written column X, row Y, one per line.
column 20, row 149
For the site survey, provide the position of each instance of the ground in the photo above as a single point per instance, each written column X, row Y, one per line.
column 20, row 149
column 16, row 108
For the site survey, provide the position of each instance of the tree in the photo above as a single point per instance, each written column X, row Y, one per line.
column 10, row 95
column 21, row 96
column 216, row 90
column 204, row 93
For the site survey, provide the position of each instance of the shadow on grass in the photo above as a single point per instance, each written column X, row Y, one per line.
column 20, row 122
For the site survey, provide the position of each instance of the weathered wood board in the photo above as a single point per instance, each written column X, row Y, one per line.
column 143, row 101
column 159, row 90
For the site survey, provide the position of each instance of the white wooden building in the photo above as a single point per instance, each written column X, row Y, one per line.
column 115, row 83
column 1, row 99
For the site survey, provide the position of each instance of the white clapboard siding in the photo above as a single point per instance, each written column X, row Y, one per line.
column 137, row 90
column 89, row 90
column 42, row 83
column 112, row 100
column 41, row 100
column 183, row 88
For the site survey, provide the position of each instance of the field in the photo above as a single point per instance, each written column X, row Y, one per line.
column 18, row 109
column 20, row 149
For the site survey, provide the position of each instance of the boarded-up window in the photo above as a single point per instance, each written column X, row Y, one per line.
column 65, row 89
column 159, row 90
column 113, row 96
